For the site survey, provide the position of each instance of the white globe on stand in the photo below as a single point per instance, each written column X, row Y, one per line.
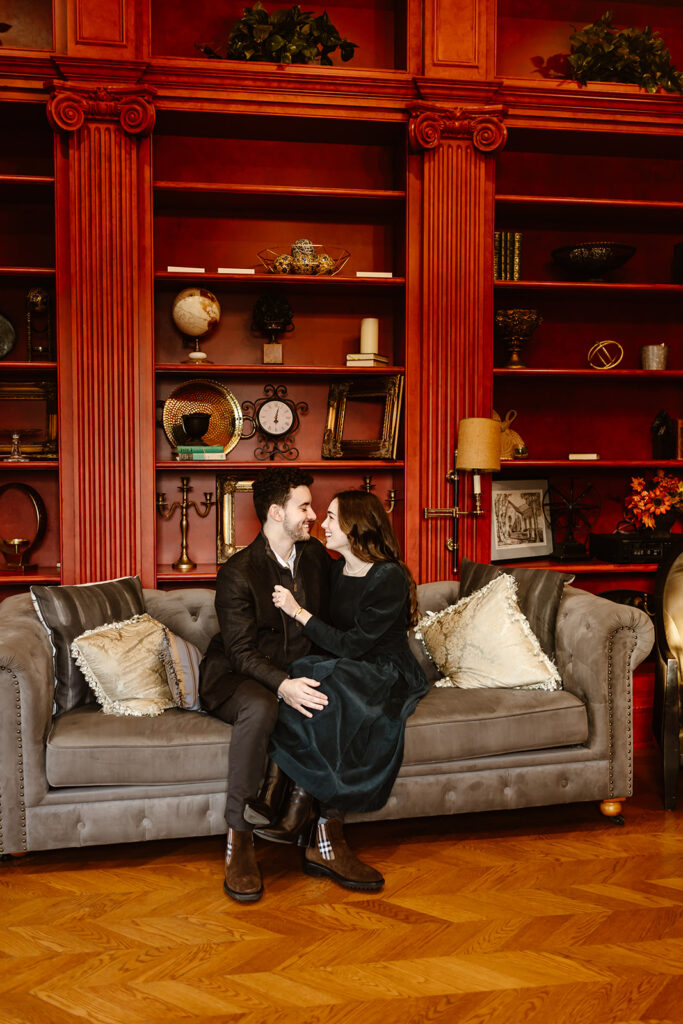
column 196, row 312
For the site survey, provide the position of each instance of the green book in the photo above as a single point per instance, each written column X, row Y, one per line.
column 190, row 449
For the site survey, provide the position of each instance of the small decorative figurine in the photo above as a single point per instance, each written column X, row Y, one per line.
column 272, row 316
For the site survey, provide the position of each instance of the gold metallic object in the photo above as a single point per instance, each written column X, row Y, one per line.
column 225, row 427
column 227, row 487
column 392, row 497
column 184, row 563
column 605, row 355
column 515, row 327
column 388, row 391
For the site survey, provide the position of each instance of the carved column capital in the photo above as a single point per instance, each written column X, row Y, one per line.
column 132, row 106
column 430, row 124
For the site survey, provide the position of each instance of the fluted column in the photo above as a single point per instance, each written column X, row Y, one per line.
column 104, row 286
column 457, row 273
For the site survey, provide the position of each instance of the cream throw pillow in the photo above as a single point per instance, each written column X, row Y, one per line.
column 124, row 668
column 485, row 641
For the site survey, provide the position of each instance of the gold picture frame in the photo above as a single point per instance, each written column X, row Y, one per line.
column 388, row 390
column 227, row 489
column 34, row 391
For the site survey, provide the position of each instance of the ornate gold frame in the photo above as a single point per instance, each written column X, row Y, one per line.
column 227, row 487
column 38, row 391
column 388, row 389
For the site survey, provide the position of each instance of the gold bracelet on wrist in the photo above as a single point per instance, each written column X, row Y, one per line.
column 298, row 611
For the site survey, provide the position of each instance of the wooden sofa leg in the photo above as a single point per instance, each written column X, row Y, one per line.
column 612, row 810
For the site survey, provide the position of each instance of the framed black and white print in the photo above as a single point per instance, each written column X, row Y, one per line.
column 518, row 525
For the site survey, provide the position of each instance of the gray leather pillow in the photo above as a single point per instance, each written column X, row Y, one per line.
column 66, row 612
column 539, row 592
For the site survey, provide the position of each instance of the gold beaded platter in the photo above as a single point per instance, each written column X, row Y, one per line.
column 225, row 425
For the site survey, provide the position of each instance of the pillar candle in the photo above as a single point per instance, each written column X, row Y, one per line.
column 369, row 335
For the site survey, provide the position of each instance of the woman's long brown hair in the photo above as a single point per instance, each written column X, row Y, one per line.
column 363, row 519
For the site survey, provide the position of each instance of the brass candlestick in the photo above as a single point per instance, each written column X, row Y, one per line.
column 184, row 562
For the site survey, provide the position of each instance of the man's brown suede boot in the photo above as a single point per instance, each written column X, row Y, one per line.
column 242, row 875
column 331, row 857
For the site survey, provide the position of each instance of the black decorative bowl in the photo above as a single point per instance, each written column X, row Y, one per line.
column 589, row 261
column 195, row 425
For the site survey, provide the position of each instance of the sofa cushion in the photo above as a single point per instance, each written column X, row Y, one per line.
column 190, row 613
column 88, row 748
column 539, row 592
column 123, row 664
column 181, row 661
column 431, row 597
column 453, row 725
column 485, row 641
column 68, row 611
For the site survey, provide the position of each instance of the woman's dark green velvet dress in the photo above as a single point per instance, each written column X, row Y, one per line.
column 349, row 753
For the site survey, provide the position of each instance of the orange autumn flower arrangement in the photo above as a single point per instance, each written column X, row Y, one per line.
column 652, row 499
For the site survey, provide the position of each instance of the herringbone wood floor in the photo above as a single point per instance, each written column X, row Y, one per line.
column 542, row 917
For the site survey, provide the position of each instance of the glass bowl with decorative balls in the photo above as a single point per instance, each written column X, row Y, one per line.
column 305, row 258
column 590, row 261
column 196, row 313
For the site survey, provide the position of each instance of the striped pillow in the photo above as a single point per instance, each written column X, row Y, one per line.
column 181, row 661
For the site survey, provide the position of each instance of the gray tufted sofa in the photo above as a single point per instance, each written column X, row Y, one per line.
column 87, row 778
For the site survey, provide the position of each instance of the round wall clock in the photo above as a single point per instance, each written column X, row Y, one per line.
column 274, row 418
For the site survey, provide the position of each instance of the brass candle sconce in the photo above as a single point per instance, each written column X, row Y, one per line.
column 368, row 486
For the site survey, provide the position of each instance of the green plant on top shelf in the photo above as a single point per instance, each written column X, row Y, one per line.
column 601, row 53
column 289, row 36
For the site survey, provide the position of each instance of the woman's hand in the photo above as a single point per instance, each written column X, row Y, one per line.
column 285, row 600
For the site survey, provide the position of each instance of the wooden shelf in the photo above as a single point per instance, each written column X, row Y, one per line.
column 24, row 467
column 47, row 574
column 245, row 370
column 204, row 572
column 25, row 367
column 573, row 203
column 591, row 464
column 591, row 286
column 530, row 373
column 216, row 197
column 290, row 280
column 252, row 466
column 27, row 271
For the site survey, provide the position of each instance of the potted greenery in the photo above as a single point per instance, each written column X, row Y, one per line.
column 601, row 53
column 289, row 36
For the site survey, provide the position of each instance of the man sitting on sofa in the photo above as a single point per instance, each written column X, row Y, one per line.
column 244, row 669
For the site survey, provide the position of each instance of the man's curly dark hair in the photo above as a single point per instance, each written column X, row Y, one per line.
column 272, row 487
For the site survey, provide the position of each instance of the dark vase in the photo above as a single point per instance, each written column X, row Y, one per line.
column 663, row 524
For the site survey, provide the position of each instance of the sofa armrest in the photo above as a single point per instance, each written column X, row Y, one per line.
column 26, row 696
column 598, row 645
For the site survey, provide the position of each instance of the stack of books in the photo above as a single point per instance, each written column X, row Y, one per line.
column 507, row 255
column 366, row 359
column 199, row 452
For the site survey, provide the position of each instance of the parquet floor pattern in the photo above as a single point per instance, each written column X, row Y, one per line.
column 542, row 917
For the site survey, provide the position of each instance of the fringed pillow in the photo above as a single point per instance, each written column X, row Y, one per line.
column 124, row 667
column 485, row 641
column 181, row 662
